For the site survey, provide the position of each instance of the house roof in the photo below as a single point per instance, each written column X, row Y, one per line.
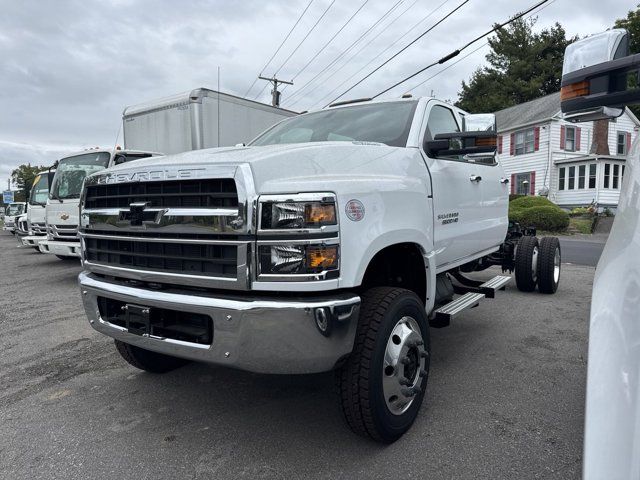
column 534, row 111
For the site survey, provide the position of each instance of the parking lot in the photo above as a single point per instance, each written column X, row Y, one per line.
column 505, row 397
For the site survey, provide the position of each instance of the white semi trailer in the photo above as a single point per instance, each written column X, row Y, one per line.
column 197, row 119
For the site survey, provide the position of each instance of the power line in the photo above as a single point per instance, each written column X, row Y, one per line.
column 468, row 54
column 283, row 42
column 298, row 46
column 328, row 42
column 384, row 15
column 455, row 53
column 401, row 50
column 379, row 54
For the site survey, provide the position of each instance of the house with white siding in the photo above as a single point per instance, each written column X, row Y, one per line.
column 573, row 164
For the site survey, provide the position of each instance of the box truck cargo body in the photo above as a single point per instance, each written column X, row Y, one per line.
column 201, row 118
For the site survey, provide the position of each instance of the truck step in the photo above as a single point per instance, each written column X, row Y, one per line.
column 490, row 287
column 444, row 314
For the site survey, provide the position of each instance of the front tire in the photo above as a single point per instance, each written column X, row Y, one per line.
column 527, row 264
column 382, row 384
column 147, row 360
column 549, row 262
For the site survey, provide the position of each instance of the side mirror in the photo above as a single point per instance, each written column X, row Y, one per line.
column 461, row 143
column 595, row 77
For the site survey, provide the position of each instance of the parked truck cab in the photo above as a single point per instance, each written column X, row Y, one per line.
column 332, row 242
column 64, row 196
column 36, row 213
column 12, row 211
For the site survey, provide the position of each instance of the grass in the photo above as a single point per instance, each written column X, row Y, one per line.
column 582, row 225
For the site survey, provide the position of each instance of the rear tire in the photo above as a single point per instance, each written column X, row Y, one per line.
column 549, row 261
column 382, row 383
column 147, row 360
column 527, row 264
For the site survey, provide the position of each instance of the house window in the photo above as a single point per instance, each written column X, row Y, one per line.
column 607, row 174
column 616, row 172
column 570, row 139
column 561, row 178
column 622, row 143
column 582, row 170
column 525, row 142
column 523, row 183
column 592, row 175
column 572, row 178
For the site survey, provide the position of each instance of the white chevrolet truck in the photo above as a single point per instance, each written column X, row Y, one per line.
column 64, row 196
column 331, row 242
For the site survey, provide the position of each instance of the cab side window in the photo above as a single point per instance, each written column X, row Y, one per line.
column 441, row 120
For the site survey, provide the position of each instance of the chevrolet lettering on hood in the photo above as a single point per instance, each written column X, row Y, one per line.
column 151, row 175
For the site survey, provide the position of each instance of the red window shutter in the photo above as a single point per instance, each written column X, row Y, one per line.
column 578, row 139
column 628, row 142
column 533, row 183
column 536, row 138
column 562, row 135
column 513, row 183
column 512, row 144
column 499, row 143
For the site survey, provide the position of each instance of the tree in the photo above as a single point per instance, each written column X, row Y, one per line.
column 23, row 178
column 632, row 24
column 523, row 65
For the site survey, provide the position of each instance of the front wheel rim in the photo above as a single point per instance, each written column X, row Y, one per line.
column 403, row 365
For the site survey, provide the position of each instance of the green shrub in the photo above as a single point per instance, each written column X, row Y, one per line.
column 531, row 201
column 547, row 217
column 513, row 196
column 578, row 211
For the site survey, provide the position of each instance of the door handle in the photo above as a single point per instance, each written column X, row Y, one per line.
column 504, row 181
column 475, row 178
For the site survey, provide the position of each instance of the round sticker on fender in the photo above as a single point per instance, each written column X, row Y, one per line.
column 354, row 210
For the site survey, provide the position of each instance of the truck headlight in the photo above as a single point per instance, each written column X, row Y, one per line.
column 303, row 211
column 297, row 259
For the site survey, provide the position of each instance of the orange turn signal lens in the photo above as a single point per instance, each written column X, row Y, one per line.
column 320, row 213
column 322, row 257
column 574, row 90
column 486, row 141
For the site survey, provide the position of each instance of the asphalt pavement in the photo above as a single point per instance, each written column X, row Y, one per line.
column 505, row 398
column 582, row 249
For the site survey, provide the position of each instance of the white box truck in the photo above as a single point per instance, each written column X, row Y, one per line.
column 200, row 118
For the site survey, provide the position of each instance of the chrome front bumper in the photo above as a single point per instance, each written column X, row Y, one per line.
column 8, row 228
column 32, row 240
column 258, row 334
column 65, row 249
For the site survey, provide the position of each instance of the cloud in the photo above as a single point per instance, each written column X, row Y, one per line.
column 70, row 67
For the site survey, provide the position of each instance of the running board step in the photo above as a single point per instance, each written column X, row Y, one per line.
column 490, row 287
column 446, row 313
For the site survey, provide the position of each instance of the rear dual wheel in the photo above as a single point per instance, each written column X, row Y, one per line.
column 382, row 384
column 538, row 263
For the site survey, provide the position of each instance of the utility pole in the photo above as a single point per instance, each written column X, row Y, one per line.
column 275, row 94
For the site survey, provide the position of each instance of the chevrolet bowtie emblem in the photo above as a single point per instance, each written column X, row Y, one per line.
column 136, row 213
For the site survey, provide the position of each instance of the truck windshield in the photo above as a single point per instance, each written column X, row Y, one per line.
column 15, row 209
column 387, row 123
column 71, row 172
column 40, row 190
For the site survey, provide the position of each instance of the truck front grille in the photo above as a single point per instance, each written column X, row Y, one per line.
column 64, row 233
column 39, row 228
column 169, row 256
column 206, row 193
column 169, row 232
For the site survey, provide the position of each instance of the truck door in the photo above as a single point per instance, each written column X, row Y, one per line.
column 457, row 194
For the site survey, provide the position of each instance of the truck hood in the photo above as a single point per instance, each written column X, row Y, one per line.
column 291, row 167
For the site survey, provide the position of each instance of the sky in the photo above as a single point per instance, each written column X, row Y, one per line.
column 68, row 68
